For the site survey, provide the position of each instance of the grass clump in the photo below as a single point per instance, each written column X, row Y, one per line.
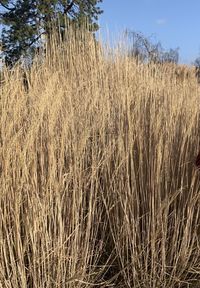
column 98, row 187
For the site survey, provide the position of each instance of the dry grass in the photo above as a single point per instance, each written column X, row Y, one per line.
column 98, row 186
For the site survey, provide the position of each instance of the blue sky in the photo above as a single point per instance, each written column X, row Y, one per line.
column 175, row 23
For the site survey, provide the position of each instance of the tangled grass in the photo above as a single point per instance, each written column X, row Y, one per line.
column 97, row 182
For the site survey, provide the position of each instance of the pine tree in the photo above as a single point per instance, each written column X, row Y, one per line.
column 25, row 21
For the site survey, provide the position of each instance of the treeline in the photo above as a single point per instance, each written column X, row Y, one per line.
column 28, row 26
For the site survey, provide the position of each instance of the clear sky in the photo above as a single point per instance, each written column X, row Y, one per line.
column 175, row 23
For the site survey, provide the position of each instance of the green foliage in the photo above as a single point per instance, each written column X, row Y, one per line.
column 25, row 21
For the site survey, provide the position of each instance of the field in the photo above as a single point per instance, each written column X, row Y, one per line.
column 98, row 186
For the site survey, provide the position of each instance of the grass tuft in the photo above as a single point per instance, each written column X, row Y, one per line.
column 98, row 185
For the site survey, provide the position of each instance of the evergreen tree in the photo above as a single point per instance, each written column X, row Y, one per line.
column 25, row 21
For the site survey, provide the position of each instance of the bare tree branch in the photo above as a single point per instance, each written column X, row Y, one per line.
column 6, row 7
column 28, row 45
column 68, row 7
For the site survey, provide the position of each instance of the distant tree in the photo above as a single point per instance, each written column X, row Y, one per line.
column 25, row 21
column 197, row 62
column 146, row 50
column 171, row 56
column 197, row 66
